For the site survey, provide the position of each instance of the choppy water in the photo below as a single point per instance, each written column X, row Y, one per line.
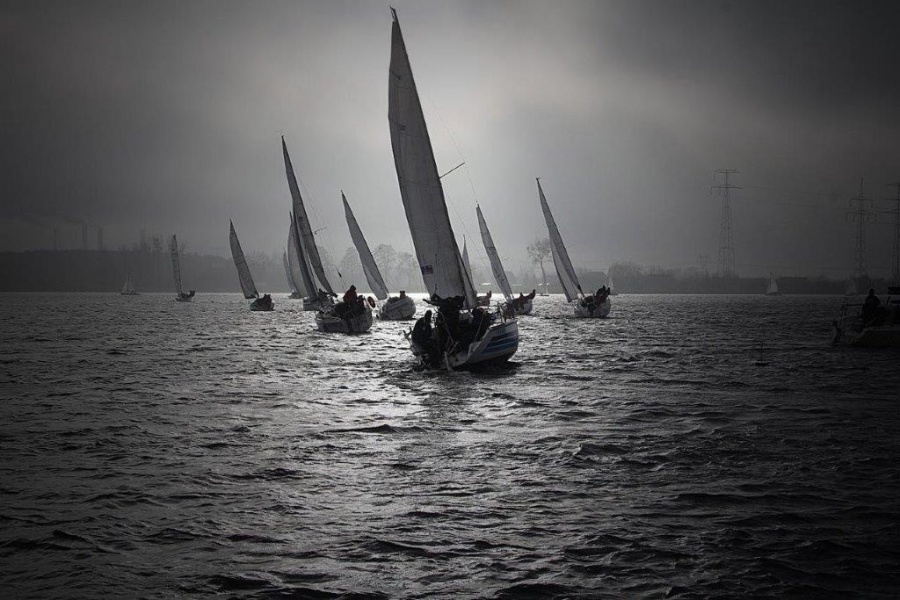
column 690, row 446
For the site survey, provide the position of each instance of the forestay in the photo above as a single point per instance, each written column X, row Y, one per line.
column 564, row 269
column 370, row 268
column 176, row 264
column 302, row 220
column 247, row 285
column 496, row 265
column 420, row 185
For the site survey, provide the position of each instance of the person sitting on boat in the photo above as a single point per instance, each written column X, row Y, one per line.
column 871, row 309
column 402, row 294
column 350, row 295
column 421, row 333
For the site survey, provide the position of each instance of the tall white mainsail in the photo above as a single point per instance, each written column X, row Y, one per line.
column 772, row 289
column 247, row 285
column 302, row 220
column 176, row 264
column 370, row 268
column 496, row 265
column 564, row 269
column 420, row 185
column 300, row 270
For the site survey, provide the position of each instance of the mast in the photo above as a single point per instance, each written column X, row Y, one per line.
column 420, row 185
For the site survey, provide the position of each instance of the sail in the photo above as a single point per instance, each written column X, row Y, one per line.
column 370, row 268
column 465, row 257
column 247, row 285
column 303, row 225
column 567, row 277
column 773, row 287
column 287, row 271
column 301, row 273
column 496, row 265
column 128, row 288
column 176, row 264
column 420, row 185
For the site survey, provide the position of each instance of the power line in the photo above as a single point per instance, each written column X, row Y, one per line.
column 862, row 214
column 726, row 232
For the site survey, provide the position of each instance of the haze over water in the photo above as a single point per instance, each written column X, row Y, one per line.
column 689, row 446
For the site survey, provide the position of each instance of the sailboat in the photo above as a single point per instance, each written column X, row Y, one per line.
column 772, row 288
column 394, row 308
column 247, row 286
column 587, row 306
column 176, row 272
column 463, row 335
column 295, row 294
column 128, row 288
column 330, row 317
column 521, row 305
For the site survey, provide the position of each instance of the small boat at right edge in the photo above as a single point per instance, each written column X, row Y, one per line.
column 869, row 323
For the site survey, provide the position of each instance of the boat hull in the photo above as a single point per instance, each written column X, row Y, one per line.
column 257, row 306
column 599, row 312
column 499, row 343
column 514, row 309
column 330, row 323
column 397, row 309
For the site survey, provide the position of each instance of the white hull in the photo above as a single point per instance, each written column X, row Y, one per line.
column 583, row 312
column 397, row 309
column 499, row 343
column 329, row 323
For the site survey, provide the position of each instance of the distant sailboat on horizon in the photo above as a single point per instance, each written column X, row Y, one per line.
column 772, row 288
column 260, row 303
column 128, row 289
column 176, row 273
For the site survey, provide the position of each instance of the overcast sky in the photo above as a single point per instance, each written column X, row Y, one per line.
column 166, row 116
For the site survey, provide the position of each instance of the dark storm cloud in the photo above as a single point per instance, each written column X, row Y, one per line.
column 166, row 116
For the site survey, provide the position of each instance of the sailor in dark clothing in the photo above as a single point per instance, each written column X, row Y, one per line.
column 350, row 295
column 421, row 333
column 871, row 310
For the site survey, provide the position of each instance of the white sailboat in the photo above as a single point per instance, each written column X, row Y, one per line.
column 301, row 271
column 521, row 305
column 394, row 308
column 128, row 289
column 176, row 273
column 587, row 306
column 330, row 317
column 461, row 338
column 772, row 287
column 259, row 303
column 610, row 286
